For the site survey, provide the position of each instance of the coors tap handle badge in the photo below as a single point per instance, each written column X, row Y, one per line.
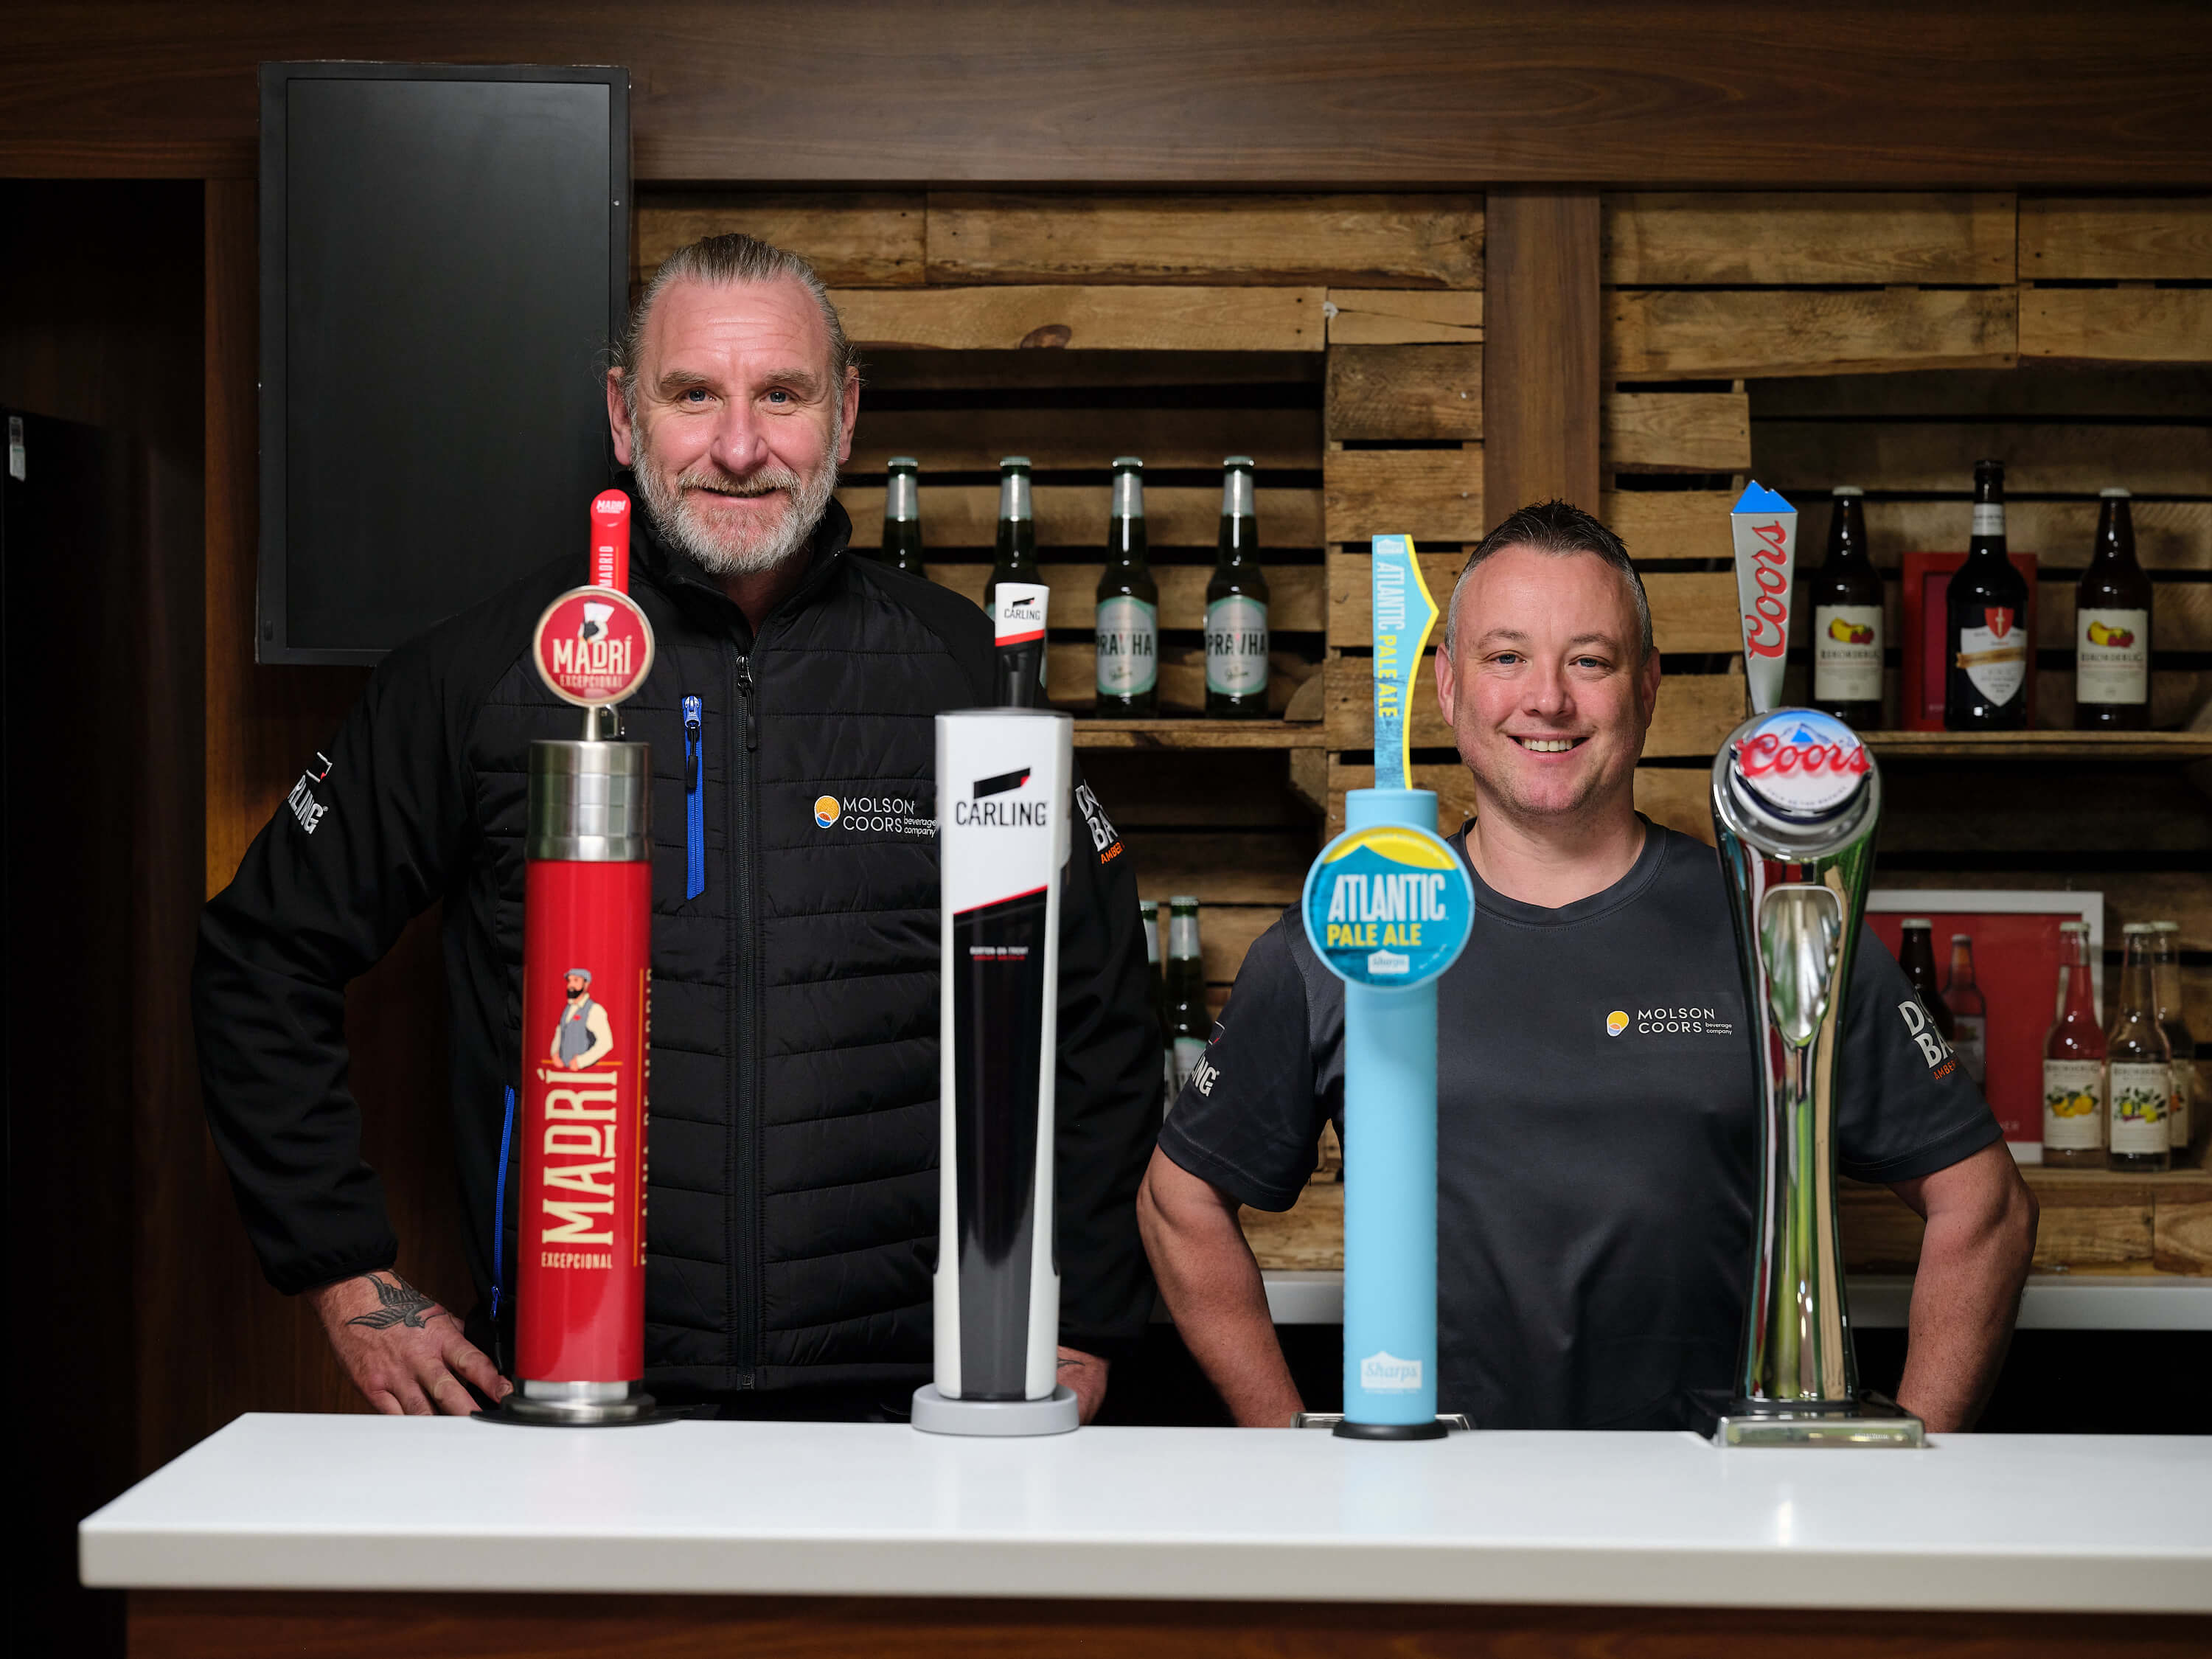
column 1387, row 908
column 586, row 937
column 1003, row 778
column 1795, row 799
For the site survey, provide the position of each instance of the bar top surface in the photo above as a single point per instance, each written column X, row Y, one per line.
column 2027, row 1522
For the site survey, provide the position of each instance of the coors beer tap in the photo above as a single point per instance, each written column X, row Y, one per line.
column 1795, row 800
column 1005, row 779
column 587, row 914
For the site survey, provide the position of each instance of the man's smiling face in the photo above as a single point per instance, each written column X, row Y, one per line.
column 1543, row 686
column 740, row 428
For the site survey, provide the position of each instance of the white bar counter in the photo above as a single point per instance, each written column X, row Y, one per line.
column 337, row 1503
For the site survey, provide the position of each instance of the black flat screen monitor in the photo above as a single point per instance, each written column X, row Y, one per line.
column 444, row 257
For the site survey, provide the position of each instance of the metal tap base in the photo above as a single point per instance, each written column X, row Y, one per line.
column 1876, row 1422
column 1056, row 1414
column 1335, row 1422
column 578, row 1406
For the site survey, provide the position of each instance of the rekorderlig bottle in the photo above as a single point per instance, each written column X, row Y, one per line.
column 2141, row 1065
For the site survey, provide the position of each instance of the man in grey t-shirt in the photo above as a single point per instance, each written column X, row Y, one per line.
column 1597, row 1110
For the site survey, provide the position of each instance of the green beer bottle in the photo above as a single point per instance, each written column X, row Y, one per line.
column 1236, row 605
column 1128, row 636
column 902, row 516
column 1188, row 1026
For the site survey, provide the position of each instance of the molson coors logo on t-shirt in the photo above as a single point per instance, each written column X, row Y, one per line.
column 1388, row 906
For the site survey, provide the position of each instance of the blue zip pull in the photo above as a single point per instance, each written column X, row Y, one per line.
column 499, row 1205
column 695, row 798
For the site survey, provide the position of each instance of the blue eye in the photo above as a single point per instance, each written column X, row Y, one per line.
column 696, row 394
column 779, row 396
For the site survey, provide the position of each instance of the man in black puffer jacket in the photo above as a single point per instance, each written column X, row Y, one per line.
column 790, row 712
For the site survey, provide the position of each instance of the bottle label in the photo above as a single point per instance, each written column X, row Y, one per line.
column 2178, row 1106
column 1995, row 655
column 2141, row 1094
column 1128, row 646
column 1847, row 654
column 1969, row 1034
column 2112, row 656
column 1236, row 646
column 2073, row 1105
column 1187, row 1051
column 1989, row 519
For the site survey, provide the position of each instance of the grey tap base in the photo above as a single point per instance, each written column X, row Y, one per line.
column 578, row 1406
column 1056, row 1414
column 1877, row 1424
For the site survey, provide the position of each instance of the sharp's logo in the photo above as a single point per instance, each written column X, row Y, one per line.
column 1001, row 784
column 1383, row 1372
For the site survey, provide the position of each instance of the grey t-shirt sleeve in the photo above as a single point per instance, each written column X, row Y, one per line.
column 1251, row 1116
column 1908, row 1108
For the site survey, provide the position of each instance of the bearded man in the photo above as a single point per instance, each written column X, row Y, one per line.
column 794, row 1061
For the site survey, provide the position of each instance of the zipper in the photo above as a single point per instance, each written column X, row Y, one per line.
column 743, row 1241
column 499, row 1207
column 695, row 800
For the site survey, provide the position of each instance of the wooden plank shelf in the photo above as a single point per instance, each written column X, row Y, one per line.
column 2139, row 746
column 2092, row 1221
column 1167, row 732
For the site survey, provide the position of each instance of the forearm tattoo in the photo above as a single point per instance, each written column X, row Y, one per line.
column 402, row 1304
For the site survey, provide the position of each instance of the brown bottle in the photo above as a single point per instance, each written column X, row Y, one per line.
column 2112, row 628
column 1970, row 1010
column 2074, row 1061
column 1915, row 954
column 1847, row 641
column 2138, row 1066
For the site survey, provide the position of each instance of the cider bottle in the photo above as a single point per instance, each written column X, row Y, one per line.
column 2166, row 976
column 2139, row 1062
column 2073, row 1060
column 1847, row 641
column 2111, row 627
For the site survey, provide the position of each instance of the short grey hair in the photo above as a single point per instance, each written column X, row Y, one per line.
column 725, row 261
column 1557, row 529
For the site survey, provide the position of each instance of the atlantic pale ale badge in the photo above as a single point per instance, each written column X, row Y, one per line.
column 594, row 646
column 1388, row 906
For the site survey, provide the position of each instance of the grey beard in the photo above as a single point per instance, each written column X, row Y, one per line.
column 719, row 554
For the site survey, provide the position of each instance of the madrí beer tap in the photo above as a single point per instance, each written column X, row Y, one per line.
column 1795, row 800
column 1387, row 908
column 580, row 1214
column 1003, row 782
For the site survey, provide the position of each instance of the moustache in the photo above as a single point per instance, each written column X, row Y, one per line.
column 715, row 482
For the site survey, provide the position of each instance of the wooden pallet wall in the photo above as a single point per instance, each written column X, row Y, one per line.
column 1074, row 328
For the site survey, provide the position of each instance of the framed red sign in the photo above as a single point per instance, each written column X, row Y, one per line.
column 2014, row 942
column 1927, row 581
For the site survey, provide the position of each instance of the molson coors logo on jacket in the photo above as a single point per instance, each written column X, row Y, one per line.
column 1765, row 528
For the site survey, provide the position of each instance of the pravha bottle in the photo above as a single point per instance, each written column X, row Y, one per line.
column 1847, row 633
column 1187, row 1023
column 1128, row 622
column 2073, row 1060
column 2166, row 977
column 2111, row 627
column 1970, row 1010
column 2139, row 1065
column 1915, row 954
column 1985, row 643
column 1236, row 605
column 902, row 516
